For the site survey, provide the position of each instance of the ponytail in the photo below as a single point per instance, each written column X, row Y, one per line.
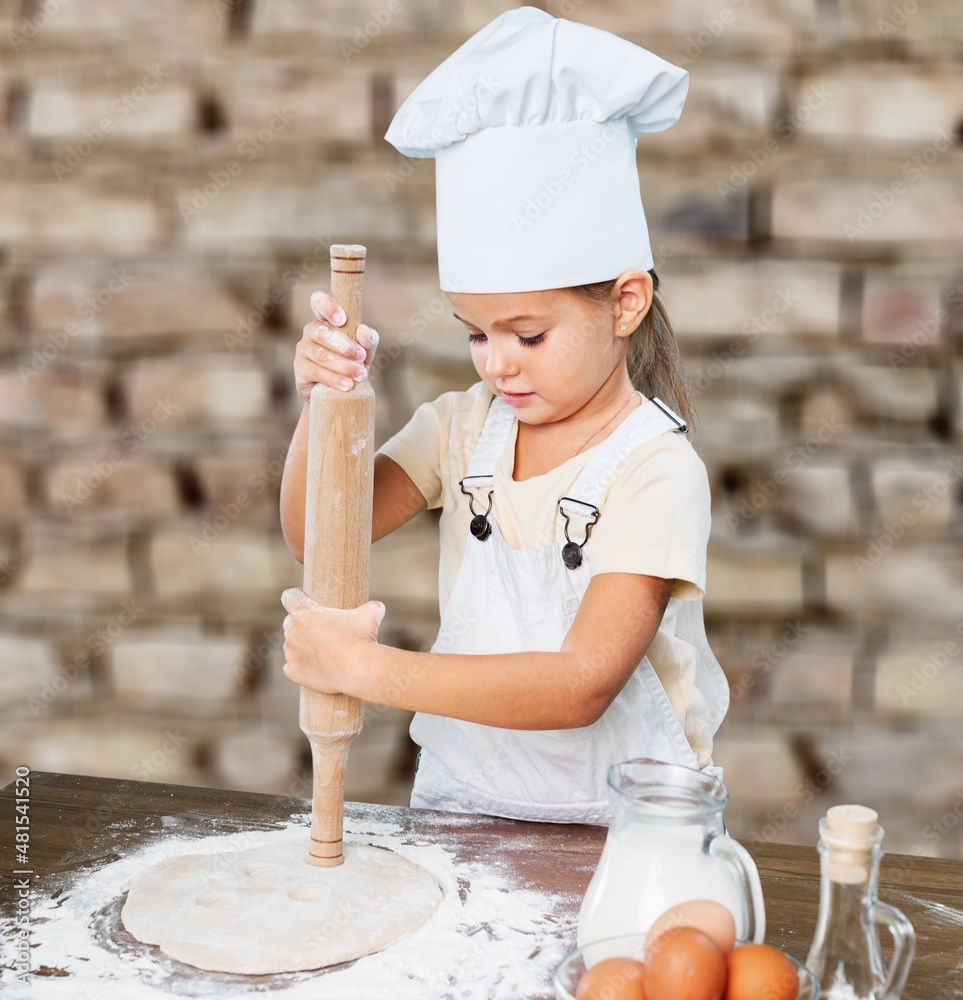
column 653, row 359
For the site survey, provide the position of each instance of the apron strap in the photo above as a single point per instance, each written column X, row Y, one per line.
column 652, row 419
column 585, row 497
column 481, row 466
column 490, row 444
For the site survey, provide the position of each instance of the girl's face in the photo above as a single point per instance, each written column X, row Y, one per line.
column 545, row 353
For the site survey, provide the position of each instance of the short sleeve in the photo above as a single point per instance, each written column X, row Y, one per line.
column 656, row 518
column 435, row 445
column 419, row 446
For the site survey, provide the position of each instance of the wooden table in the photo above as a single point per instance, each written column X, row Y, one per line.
column 77, row 824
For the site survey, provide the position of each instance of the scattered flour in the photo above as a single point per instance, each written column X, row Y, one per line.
column 947, row 913
column 489, row 940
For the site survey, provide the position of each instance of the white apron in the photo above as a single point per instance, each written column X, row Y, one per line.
column 509, row 601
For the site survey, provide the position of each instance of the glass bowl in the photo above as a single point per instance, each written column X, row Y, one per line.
column 570, row 970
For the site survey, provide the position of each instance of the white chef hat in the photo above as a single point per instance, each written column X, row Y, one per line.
column 533, row 124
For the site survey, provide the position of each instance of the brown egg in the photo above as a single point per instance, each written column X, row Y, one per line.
column 761, row 972
column 706, row 915
column 612, row 979
column 684, row 963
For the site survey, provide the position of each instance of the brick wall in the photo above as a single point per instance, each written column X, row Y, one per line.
column 171, row 181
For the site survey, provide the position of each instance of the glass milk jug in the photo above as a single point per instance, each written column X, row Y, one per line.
column 666, row 845
column 845, row 954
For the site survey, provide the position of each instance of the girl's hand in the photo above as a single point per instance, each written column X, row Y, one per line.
column 328, row 355
column 327, row 649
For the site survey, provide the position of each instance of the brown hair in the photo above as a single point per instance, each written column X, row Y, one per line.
column 653, row 358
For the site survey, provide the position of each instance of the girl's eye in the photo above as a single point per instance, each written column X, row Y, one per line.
column 531, row 341
column 477, row 338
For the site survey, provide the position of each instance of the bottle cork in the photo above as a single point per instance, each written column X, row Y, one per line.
column 852, row 833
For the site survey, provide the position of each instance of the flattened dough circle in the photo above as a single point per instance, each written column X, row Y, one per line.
column 267, row 910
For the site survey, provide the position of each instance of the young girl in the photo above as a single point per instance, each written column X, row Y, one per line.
column 574, row 511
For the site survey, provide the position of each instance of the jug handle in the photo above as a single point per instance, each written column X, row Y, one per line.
column 904, row 945
column 738, row 858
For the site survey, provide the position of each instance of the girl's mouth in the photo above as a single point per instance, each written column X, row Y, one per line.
column 517, row 398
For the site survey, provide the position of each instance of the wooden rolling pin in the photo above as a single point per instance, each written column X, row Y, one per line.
column 337, row 543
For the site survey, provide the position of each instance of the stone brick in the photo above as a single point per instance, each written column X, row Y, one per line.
column 889, row 207
column 61, row 402
column 127, row 748
column 376, row 755
column 13, row 494
column 753, row 300
column 886, row 102
column 176, row 664
column 699, row 27
column 725, row 104
column 9, row 559
column 745, row 670
column 907, row 310
column 827, row 408
column 334, row 107
column 424, row 376
column 684, row 211
column 56, row 561
column 739, row 754
column 470, row 17
column 894, row 581
column 178, row 23
column 28, row 664
column 811, row 675
column 736, row 429
column 890, row 767
column 130, row 301
column 924, row 492
column 757, row 373
column 819, row 498
column 361, row 26
column 906, row 394
column 410, row 313
column 141, row 106
column 276, row 696
column 404, row 567
column 760, row 658
column 209, row 388
column 792, row 821
column 755, row 580
column 904, row 22
column 308, row 210
column 54, row 215
column 249, row 477
column 924, row 681
column 111, row 482
column 235, row 560
column 260, row 759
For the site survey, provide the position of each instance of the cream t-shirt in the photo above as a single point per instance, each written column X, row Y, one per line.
column 655, row 515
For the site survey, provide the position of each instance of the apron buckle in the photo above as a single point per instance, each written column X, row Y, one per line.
column 480, row 527
column 572, row 551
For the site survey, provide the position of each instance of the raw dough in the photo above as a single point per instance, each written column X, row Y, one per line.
column 268, row 910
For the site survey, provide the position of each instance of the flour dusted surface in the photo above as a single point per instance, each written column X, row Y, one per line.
column 489, row 939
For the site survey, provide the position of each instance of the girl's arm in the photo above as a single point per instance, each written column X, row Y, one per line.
column 395, row 498
column 337, row 651
column 326, row 355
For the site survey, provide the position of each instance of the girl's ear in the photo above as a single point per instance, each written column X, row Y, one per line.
column 633, row 299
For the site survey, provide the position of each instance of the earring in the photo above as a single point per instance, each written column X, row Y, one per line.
column 624, row 327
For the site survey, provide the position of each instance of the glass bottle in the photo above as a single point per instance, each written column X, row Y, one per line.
column 845, row 954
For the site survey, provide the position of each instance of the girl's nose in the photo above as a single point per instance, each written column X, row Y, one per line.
column 499, row 363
